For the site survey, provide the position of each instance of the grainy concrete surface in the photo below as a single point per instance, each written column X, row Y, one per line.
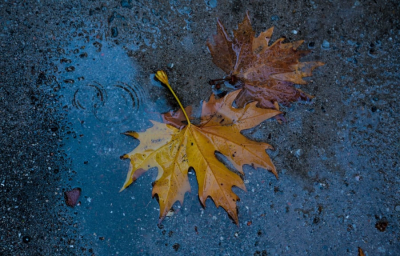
column 75, row 74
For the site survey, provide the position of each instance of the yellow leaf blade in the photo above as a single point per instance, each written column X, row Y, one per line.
column 238, row 149
column 144, row 155
column 215, row 179
column 173, row 183
column 162, row 146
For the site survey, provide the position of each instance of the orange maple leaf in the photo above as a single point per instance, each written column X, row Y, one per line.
column 173, row 149
column 267, row 73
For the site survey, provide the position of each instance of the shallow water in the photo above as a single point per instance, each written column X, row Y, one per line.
column 104, row 101
column 322, row 157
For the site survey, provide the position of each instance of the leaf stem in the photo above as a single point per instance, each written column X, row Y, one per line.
column 162, row 76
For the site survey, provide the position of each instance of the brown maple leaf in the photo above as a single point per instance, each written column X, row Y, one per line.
column 267, row 73
column 173, row 149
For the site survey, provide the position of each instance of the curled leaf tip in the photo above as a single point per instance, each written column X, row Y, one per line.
column 125, row 156
column 132, row 134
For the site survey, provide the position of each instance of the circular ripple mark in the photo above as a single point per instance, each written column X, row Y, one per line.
column 89, row 97
column 116, row 103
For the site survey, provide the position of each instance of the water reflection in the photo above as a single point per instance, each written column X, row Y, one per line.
column 103, row 98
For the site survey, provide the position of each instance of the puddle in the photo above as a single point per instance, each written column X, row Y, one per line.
column 100, row 91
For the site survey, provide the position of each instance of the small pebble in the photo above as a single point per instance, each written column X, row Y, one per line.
column 114, row 32
column 70, row 69
column 69, row 81
column 126, row 4
column 176, row 246
column 72, row 197
column 274, row 18
column 397, row 208
column 211, row 3
column 26, row 239
column 372, row 53
column 145, row 20
column 64, row 60
column 325, row 45
column 297, row 153
column 352, row 60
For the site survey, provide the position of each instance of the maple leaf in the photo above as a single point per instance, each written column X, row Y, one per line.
column 173, row 149
column 267, row 73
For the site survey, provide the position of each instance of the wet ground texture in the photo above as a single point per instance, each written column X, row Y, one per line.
column 76, row 74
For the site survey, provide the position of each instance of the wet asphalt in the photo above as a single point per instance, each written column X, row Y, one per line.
column 77, row 74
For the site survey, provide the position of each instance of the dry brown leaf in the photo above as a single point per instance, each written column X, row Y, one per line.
column 267, row 73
